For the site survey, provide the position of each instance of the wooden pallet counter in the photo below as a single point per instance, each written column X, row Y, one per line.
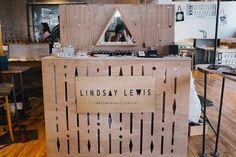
column 158, row 128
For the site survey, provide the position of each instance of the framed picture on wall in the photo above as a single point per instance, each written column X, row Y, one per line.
column 201, row 10
column 222, row 18
column 179, row 14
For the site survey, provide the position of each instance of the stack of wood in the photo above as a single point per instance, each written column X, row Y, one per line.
column 228, row 42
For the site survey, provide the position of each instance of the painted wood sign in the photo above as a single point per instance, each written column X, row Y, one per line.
column 115, row 94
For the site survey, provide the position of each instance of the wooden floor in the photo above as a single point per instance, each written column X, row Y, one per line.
column 227, row 145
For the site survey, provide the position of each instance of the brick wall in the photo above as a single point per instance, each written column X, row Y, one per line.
column 13, row 19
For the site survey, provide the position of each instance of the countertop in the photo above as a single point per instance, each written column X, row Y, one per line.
column 168, row 58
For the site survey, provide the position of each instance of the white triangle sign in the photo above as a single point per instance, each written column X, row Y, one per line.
column 116, row 32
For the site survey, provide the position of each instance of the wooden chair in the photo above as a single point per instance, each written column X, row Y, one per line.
column 5, row 90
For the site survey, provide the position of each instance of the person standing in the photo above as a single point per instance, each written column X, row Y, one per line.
column 45, row 32
column 55, row 36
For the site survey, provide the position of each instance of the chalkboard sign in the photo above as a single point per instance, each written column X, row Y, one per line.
column 201, row 10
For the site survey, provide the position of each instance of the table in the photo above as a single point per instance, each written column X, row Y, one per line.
column 207, row 53
column 224, row 76
column 209, row 60
column 13, row 71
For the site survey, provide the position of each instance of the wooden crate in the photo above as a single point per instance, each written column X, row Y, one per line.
column 162, row 133
column 197, row 130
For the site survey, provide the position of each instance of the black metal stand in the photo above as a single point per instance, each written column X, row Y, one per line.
column 215, row 153
column 213, row 66
column 209, row 122
column 203, row 153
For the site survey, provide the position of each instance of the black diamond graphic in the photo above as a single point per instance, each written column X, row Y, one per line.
column 58, row 145
column 174, row 107
column 76, row 72
column 121, row 72
column 110, row 94
column 130, row 146
column 109, row 120
column 152, row 146
column 89, row 145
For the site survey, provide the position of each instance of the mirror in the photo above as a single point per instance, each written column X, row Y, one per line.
column 116, row 33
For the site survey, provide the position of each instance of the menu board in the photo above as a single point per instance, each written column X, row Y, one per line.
column 201, row 10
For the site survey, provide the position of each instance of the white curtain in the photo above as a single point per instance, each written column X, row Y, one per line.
column 194, row 103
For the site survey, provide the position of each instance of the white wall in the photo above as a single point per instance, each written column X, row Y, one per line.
column 189, row 28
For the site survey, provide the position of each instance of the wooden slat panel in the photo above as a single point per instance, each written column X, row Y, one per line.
column 153, row 25
column 61, row 107
column 48, row 83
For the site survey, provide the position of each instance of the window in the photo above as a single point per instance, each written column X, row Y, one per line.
column 44, row 14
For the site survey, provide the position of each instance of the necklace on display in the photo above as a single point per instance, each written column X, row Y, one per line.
column 106, row 15
column 80, row 25
column 152, row 26
column 131, row 15
column 142, row 29
column 93, row 23
column 82, row 29
column 156, row 26
column 160, row 25
column 170, row 9
column 147, row 26
column 90, row 25
column 77, row 24
column 95, row 17
column 85, row 27
column 68, row 25
column 74, row 25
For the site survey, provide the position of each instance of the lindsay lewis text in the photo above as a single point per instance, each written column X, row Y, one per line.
column 115, row 92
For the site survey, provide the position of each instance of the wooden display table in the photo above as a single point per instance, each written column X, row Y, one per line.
column 116, row 106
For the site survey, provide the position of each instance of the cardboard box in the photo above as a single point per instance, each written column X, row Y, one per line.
column 197, row 130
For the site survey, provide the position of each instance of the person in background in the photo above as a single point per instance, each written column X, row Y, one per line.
column 45, row 32
column 121, row 36
column 55, row 36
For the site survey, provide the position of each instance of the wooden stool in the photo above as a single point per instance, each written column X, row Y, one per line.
column 5, row 90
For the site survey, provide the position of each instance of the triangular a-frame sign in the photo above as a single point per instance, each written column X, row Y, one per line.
column 116, row 33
